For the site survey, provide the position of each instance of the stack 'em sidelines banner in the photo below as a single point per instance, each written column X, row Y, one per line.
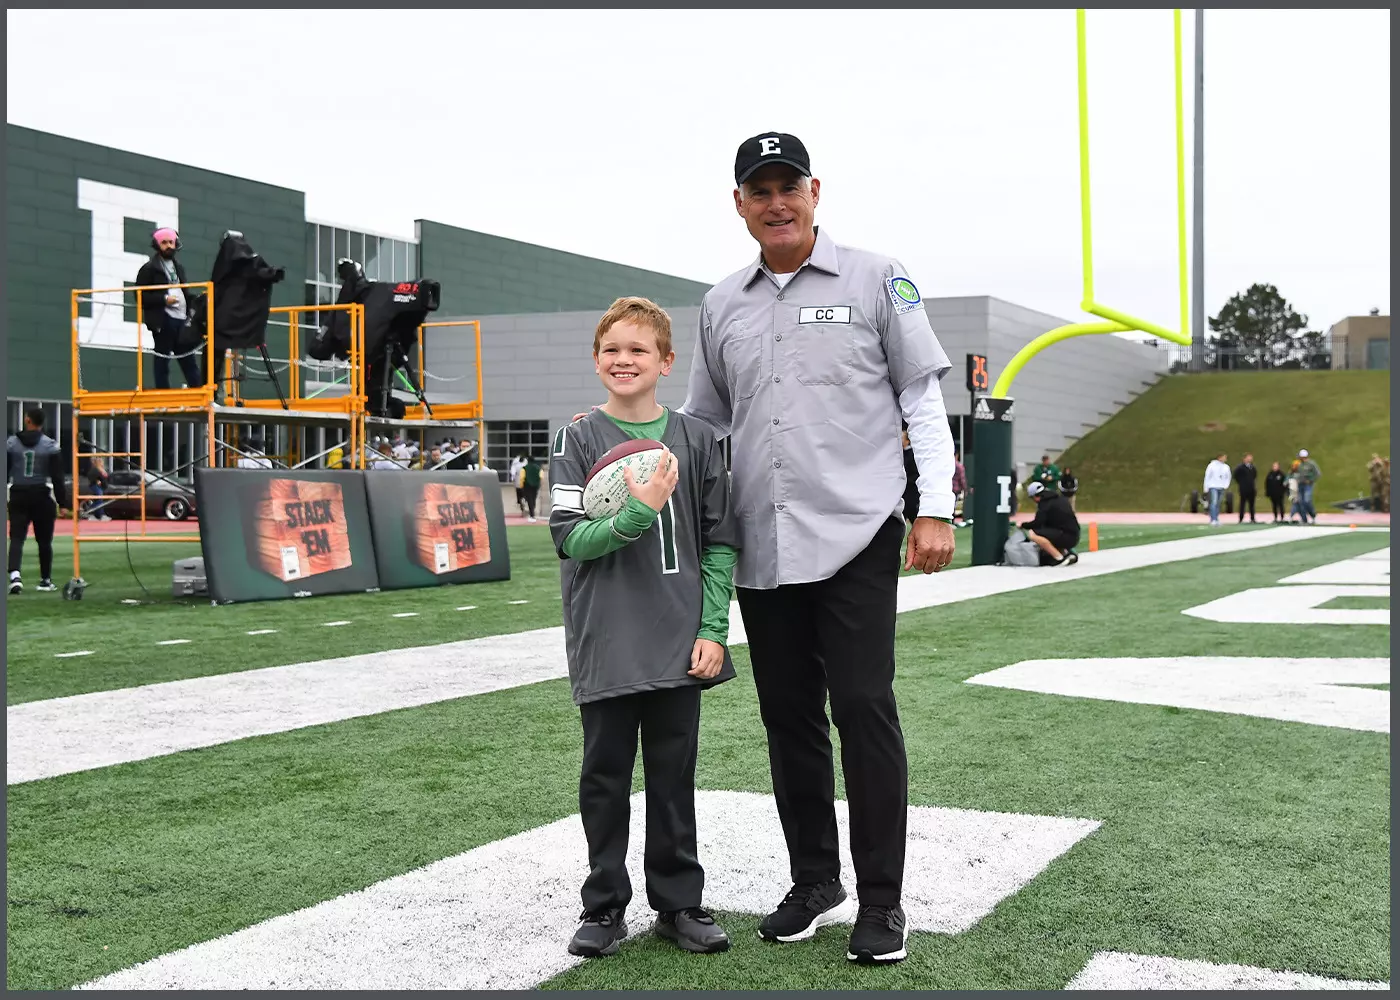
column 432, row 528
column 269, row 534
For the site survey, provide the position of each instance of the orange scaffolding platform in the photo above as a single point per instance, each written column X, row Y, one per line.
column 345, row 410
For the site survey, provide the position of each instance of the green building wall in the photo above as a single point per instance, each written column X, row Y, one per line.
column 484, row 275
column 50, row 249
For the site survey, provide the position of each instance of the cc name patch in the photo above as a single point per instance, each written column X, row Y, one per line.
column 903, row 294
column 824, row 314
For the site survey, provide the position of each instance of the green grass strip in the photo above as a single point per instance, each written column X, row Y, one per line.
column 1227, row 838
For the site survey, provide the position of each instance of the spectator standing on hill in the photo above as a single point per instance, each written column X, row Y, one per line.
column 1308, row 475
column 1247, row 478
column 1217, row 481
column 1069, row 486
column 1046, row 472
column 1276, row 488
column 1378, row 469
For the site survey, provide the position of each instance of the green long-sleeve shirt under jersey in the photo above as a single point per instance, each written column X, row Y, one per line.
column 595, row 539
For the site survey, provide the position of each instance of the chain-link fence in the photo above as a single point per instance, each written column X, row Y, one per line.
column 1311, row 353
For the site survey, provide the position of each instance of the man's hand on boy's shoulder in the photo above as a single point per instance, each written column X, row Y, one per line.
column 706, row 659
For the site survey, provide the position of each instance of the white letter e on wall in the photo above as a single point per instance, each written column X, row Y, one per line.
column 112, row 266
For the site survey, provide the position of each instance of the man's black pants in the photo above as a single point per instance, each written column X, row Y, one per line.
column 669, row 721
column 1247, row 500
column 166, row 342
column 1276, row 499
column 837, row 636
column 32, row 505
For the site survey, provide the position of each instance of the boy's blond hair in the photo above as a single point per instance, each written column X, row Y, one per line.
column 643, row 312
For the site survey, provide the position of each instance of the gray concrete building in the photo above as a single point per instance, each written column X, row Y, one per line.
column 537, row 371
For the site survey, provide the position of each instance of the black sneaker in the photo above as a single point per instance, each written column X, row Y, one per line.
column 15, row 585
column 880, row 935
column 1069, row 558
column 806, row 908
column 692, row 929
column 46, row 585
column 600, row 933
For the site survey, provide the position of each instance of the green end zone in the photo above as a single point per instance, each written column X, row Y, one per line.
column 1224, row 838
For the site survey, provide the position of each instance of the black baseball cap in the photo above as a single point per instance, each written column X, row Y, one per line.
column 770, row 147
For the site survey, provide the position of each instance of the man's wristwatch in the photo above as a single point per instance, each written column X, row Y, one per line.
column 933, row 517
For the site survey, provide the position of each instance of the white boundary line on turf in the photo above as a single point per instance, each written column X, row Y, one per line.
column 59, row 736
column 1112, row 970
column 500, row 916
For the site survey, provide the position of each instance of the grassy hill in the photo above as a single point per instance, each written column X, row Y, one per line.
column 1156, row 449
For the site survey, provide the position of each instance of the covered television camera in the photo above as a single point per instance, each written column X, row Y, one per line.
column 243, row 283
column 393, row 312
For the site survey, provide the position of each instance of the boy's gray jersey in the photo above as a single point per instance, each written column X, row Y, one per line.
column 631, row 616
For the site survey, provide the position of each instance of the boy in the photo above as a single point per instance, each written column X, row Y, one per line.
column 646, row 621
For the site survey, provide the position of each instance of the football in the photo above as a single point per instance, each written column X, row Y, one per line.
column 605, row 490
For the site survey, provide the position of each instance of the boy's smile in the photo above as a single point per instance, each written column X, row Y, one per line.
column 628, row 360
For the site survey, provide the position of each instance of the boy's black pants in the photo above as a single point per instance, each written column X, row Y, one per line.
column 32, row 505
column 669, row 721
column 835, row 635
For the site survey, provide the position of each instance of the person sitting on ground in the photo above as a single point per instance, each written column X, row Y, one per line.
column 1055, row 527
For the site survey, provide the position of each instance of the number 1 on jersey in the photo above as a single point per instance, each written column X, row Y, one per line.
column 29, row 464
column 666, row 525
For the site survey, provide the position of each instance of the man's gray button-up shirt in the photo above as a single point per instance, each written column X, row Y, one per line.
column 805, row 379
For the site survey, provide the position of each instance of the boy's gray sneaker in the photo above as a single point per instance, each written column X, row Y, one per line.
column 601, row 933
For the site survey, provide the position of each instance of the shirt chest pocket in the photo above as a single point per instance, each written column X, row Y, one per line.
column 823, row 349
column 742, row 358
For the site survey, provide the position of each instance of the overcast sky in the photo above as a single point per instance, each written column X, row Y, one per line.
column 945, row 138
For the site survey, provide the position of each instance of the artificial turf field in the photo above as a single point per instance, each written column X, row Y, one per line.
column 1221, row 836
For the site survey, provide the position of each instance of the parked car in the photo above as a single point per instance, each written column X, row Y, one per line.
column 166, row 496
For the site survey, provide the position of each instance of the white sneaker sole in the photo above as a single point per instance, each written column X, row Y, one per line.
column 842, row 912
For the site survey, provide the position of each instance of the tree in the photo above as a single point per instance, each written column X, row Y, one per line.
column 1258, row 328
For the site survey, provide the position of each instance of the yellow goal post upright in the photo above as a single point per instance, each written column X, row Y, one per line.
column 1115, row 320
column 992, row 420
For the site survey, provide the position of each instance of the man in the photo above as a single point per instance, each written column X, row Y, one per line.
column 530, row 485
column 1308, row 474
column 1216, row 482
column 515, row 473
column 165, row 310
column 1046, row 472
column 911, row 476
column 35, row 470
column 1276, row 488
column 808, row 358
column 1055, row 528
column 1247, row 476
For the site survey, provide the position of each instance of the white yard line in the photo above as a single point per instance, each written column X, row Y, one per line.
column 80, row 652
column 500, row 916
column 173, row 642
column 1110, row 970
column 262, row 631
column 406, row 614
column 1313, row 690
column 77, row 733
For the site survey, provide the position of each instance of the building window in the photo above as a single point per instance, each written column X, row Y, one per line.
column 506, row 439
column 384, row 258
